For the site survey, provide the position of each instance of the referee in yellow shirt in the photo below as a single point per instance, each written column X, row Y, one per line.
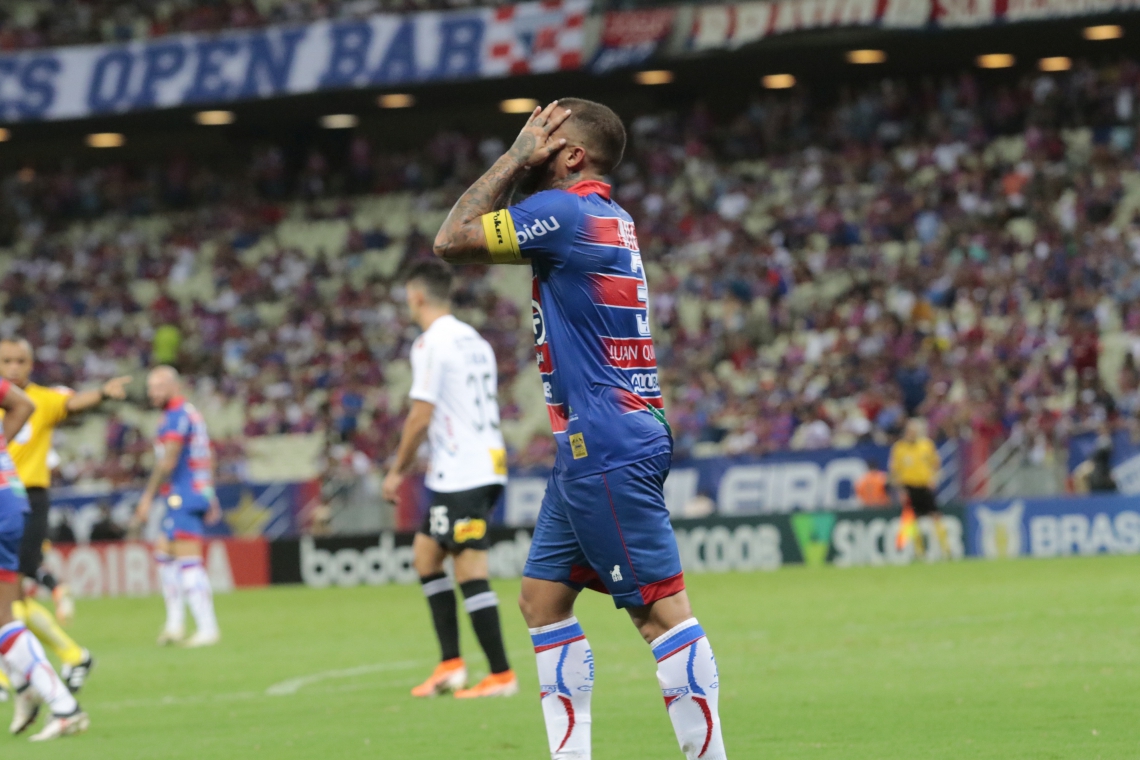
column 915, row 467
column 29, row 451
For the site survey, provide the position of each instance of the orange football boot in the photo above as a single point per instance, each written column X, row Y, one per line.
column 449, row 675
column 495, row 685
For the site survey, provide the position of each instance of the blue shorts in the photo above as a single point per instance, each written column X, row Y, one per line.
column 13, row 512
column 184, row 517
column 609, row 532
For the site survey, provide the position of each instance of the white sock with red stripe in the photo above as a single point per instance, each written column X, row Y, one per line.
column 566, row 675
column 686, row 670
column 199, row 595
column 28, row 666
column 171, row 592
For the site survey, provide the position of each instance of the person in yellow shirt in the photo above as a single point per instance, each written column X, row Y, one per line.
column 915, row 468
column 30, row 449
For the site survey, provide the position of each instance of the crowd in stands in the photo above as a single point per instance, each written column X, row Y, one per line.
column 820, row 267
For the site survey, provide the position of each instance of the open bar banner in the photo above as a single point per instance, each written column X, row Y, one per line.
column 378, row 51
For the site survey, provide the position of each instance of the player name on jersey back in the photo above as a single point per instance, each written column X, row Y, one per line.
column 454, row 369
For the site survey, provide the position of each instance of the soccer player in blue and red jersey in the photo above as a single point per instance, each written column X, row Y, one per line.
column 21, row 654
column 184, row 475
column 603, row 522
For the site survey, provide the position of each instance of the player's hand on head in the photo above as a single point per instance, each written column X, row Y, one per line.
column 534, row 145
column 116, row 387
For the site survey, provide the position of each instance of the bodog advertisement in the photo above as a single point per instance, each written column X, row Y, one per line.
column 715, row 544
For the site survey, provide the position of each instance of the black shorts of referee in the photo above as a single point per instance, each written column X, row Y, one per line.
column 35, row 532
column 922, row 500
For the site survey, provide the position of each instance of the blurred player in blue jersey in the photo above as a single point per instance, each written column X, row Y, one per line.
column 21, row 654
column 184, row 475
column 603, row 522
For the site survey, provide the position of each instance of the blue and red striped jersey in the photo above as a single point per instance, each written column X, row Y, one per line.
column 8, row 477
column 590, row 306
column 194, row 471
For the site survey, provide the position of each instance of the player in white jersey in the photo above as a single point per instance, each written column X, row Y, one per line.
column 455, row 408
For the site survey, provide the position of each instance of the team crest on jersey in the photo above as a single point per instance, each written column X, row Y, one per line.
column 537, row 322
column 469, row 529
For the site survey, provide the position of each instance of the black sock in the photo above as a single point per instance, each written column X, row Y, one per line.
column 441, row 600
column 46, row 579
column 483, row 608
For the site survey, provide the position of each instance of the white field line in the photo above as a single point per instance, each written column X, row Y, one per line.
column 293, row 685
column 282, row 689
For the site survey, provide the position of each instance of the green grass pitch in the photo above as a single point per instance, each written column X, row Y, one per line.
column 1026, row 659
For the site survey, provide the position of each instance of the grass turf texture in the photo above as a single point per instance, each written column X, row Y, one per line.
column 1028, row 659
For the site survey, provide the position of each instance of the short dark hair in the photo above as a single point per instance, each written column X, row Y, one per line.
column 434, row 276
column 602, row 129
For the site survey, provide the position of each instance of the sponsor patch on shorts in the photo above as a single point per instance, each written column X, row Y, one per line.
column 469, row 529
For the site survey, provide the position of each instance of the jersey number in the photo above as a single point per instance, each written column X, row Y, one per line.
column 439, row 524
column 486, row 401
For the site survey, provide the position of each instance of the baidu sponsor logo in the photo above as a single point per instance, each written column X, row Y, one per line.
column 540, row 227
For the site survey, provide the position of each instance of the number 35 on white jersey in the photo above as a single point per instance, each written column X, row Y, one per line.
column 454, row 369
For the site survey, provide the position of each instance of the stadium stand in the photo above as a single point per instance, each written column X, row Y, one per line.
column 981, row 235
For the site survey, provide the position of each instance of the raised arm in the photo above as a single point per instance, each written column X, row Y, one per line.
column 115, row 388
column 462, row 238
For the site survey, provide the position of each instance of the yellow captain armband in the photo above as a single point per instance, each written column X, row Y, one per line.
column 502, row 243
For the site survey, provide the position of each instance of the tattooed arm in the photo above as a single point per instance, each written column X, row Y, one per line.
column 462, row 239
